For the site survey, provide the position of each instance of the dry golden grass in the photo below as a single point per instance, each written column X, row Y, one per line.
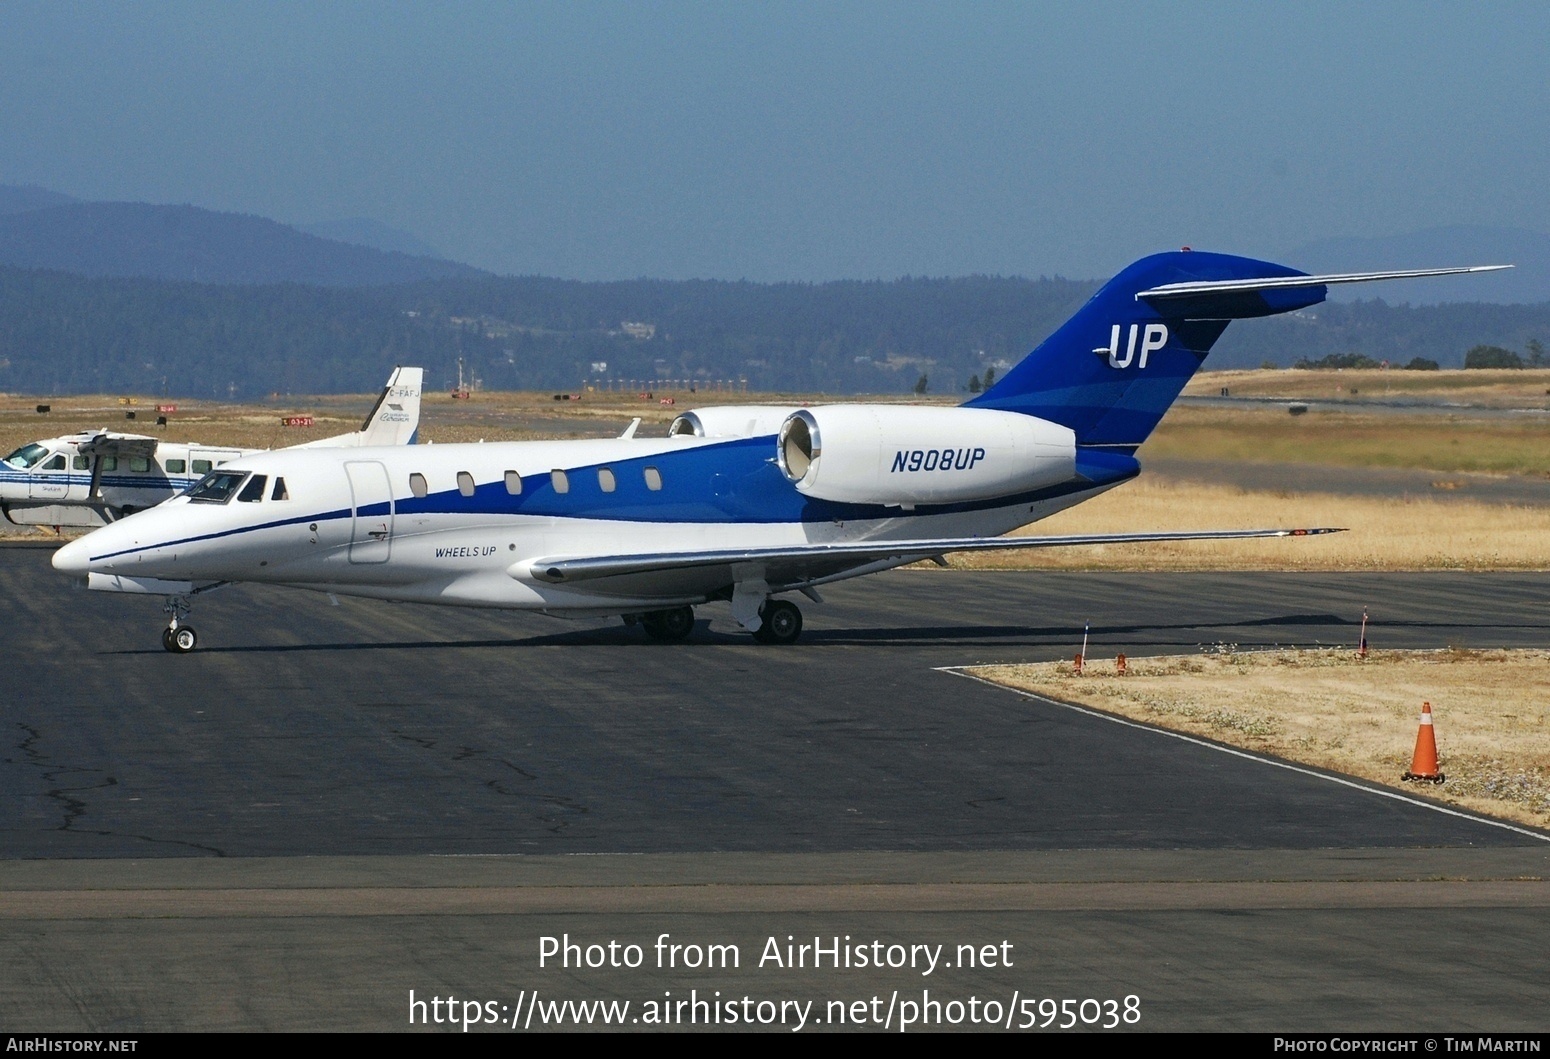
column 1442, row 441
column 489, row 415
column 1334, row 711
column 1383, row 534
column 1528, row 388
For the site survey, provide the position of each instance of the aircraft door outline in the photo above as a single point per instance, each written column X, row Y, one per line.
column 371, row 535
column 48, row 481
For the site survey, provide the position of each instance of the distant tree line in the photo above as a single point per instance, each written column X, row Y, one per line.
column 1497, row 357
column 1399, row 334
column 1477, row 357
column 63, row 333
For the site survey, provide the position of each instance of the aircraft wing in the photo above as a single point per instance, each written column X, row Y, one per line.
column 111, row 443
column 810, row 564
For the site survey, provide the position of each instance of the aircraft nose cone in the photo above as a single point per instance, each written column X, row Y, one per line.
column 73, row 559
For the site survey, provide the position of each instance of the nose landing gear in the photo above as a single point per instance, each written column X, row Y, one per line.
column 178, row 637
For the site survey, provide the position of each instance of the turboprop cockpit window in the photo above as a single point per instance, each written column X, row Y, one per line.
column 55, row 464
column 280, row 492
column 27, row 455
column 253, row 492
column 217, row 487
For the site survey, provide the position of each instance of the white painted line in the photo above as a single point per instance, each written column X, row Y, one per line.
column 963, row 671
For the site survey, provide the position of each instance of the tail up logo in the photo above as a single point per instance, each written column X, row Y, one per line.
column 1153, row 338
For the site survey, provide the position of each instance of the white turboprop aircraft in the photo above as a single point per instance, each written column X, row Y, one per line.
column 737, row 504
column 99, row 476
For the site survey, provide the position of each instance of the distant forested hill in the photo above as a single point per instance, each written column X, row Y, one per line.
column 188, row 243
column 62, row 333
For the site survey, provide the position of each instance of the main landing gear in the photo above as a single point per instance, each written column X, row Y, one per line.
column 780, row 622
column 668, row 625
column 178, row 637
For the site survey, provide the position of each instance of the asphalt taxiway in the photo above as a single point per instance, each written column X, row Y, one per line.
column 323, row 807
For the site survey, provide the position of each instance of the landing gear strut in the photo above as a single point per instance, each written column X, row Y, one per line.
column 674, row 624
column 178, row 637
column 780, row 622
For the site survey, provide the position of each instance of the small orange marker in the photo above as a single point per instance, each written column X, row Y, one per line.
column 1077, row 664
column 1423, row 765
column 1119, row 665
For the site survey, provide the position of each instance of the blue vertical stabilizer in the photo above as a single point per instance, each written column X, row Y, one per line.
column 1112, row 370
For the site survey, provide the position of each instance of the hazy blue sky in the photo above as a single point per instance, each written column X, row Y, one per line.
column 795, row 140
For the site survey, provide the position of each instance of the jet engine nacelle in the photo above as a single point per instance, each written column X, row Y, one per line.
column 731, row 421
column 869, row 454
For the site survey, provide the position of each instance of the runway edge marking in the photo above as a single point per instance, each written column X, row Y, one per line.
column 963, row 671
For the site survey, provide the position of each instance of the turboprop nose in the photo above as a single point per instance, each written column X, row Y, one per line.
column 74, row 559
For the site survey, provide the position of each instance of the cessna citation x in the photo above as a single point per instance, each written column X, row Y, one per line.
column 738, row 504
column 98, row 476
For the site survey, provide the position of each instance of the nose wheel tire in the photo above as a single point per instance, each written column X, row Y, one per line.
column 673, row 624
column 781, row 622
column 181, row 640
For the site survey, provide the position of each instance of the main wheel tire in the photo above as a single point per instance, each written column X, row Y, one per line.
column 182, row 640
column 674, row 624
column 781, row 622
column 166, row 640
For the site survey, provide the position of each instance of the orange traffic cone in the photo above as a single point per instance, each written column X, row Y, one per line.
column 1423, row 766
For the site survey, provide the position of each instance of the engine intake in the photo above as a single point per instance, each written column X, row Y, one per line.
column 870, row 454
column 730, row 421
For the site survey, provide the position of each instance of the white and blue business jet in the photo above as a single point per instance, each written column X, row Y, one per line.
column 739, row 505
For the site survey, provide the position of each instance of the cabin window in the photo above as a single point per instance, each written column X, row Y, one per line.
column 253, row 492
column 217, row 487
column 140, row 464
column 280, row 492
column 465, row 483
column 653, row 479
column 177, row 466
column 605, row 480
column 417, row 485
column 513, row 483
column 560, row 480
column 55, row 464
column 80, row 463
column 200, row 467
column 110, row 463
column 27, row 455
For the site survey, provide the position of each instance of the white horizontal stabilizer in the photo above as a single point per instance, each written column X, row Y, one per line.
column 1229, row 286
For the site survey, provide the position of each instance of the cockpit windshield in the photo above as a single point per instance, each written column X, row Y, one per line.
column 27, row 455
column 217, row 487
